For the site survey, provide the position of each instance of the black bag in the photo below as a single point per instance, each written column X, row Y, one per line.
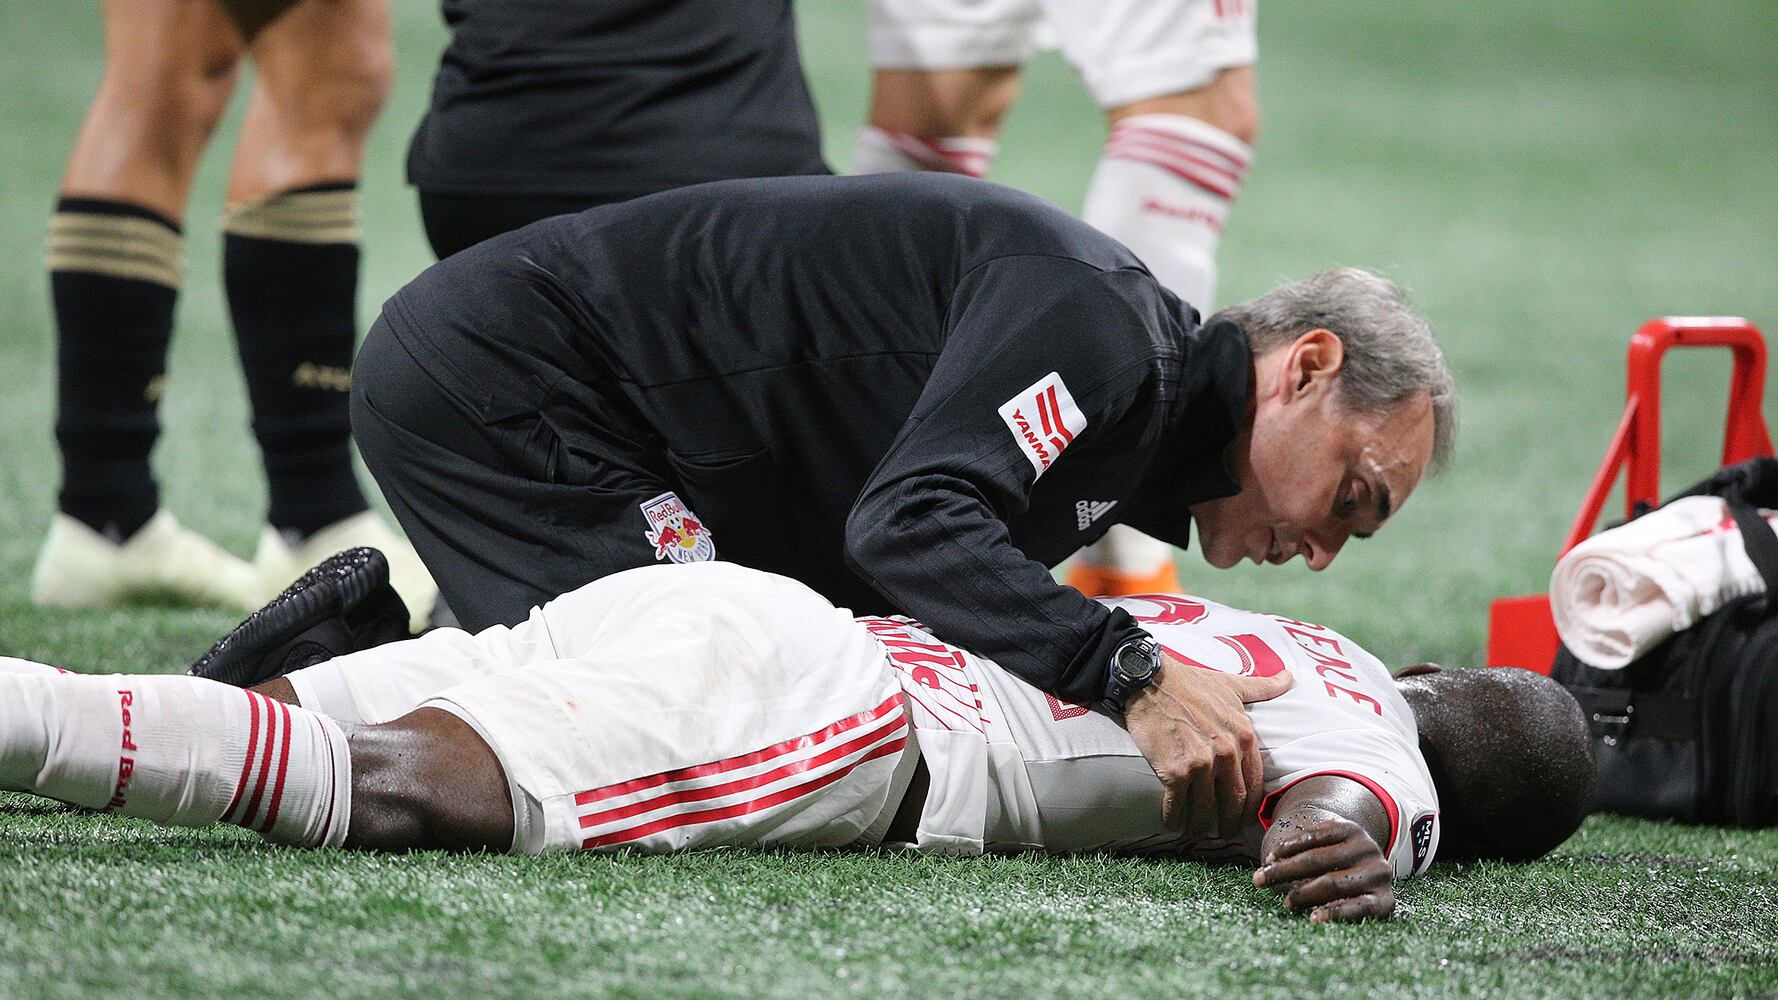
column 1689, row 731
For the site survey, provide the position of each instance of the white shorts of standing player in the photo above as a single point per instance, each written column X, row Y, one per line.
column 1124, row 50
column 665, row 708
column 1163, row 184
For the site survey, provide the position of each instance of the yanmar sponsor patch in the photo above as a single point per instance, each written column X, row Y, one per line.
column 1043, row 420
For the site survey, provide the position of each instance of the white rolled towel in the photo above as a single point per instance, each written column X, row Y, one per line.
column 1616, row 595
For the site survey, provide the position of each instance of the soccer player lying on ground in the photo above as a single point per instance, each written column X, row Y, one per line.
column 703, row 705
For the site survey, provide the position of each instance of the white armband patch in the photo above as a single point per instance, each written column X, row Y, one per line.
column 1043, row 420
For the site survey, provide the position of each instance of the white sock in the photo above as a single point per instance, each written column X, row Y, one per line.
column 14, row 665
column 879, row 151
column 183, row 751
column 1163, row 188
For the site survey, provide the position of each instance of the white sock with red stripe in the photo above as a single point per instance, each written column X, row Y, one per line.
column 879, row 151
column 1163, row 188
column 183, row 751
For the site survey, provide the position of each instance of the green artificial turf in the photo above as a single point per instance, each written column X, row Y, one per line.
column 1543, row 177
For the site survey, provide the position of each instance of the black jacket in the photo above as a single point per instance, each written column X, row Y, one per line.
column 863, row 383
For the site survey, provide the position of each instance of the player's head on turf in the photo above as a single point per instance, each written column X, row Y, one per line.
column 1510, row 754
column 1351, row 404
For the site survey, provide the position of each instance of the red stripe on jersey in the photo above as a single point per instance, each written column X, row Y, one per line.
column 277, row 799
column 1258, row 659
column 247, row 764
column 1228, row 161
column 265, row 763
column 1270, row 802
column 1163, row 163
column 760, row 756
column 704, row 793
column 741, row 808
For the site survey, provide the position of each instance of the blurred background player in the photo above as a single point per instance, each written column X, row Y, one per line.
column 542, row 107
column 290, row 268
column 1176, row 80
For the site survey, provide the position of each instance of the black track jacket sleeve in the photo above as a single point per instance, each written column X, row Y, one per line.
column 929, row 530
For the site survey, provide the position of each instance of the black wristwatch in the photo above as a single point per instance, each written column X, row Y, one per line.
column 1133, row 667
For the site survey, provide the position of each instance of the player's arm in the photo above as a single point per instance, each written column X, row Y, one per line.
column 1322, row 851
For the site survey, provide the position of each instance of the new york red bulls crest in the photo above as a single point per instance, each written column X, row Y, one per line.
column 675, row 533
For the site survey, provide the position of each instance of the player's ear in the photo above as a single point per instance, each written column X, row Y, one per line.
column 1418, row 669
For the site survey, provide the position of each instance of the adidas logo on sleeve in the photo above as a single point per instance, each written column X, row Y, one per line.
column 1088, row 511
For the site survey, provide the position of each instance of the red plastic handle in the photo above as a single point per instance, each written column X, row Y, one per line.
column 1637, row 443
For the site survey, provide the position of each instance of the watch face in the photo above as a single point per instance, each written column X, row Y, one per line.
column 1136, row 662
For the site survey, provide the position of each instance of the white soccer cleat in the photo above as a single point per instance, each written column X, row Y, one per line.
column 278, row 565
column 162, row 562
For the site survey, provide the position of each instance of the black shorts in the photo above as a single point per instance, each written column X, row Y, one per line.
column 459, row 221
column 505, row 514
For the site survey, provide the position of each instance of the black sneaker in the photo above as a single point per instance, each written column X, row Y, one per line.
column 343, row 605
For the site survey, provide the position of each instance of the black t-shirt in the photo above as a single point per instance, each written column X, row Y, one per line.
column 610, row 99
column 912, row 392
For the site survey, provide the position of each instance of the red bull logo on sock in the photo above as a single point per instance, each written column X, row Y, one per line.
column 675, row 532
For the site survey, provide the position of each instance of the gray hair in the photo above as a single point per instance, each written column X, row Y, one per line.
column 1389, row 351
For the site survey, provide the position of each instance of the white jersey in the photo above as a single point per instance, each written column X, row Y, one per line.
column 1012, row 767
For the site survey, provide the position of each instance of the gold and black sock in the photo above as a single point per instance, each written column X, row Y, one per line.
column 114, row 275
column 290, row 268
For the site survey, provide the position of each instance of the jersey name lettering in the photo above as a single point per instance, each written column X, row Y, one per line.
column 1329, row 661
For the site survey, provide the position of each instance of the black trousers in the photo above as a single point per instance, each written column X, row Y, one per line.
column 504, row 514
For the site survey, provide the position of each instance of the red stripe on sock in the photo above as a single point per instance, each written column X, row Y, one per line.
column 1173, row 167
column 1220, row 174
column 1223, row 159
column 706, row 792
column 741, row 808
column 247, row 764
column 734, row 763
column 935, row 157
column 277, row 799
column 265, row 763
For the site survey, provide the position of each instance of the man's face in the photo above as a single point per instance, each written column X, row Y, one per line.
column 1312, row 474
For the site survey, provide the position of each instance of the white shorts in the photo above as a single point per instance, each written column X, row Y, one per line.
column 666, row 708
column 1124, row 50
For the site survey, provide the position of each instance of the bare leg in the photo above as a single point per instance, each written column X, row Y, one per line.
column 323, row 71
column 942, row 120
column 169, row 70
column 1230, row 101
column 427, row 781
column 936, row 104
column 278, row 689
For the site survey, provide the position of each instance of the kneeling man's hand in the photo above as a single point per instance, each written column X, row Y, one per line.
column 1194, row 730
